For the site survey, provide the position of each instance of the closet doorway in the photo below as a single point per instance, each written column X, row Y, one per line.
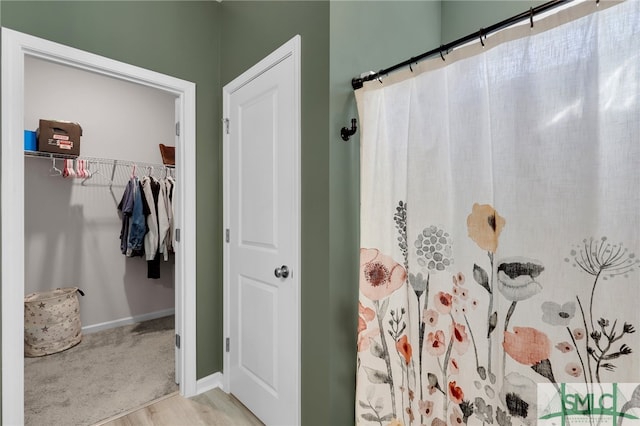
column 17, row 49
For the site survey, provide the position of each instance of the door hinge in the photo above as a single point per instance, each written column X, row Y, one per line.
column 178, row 341
column 226, row 125
column 227, row 236
column 227, row 344
column 178, row 234
column 178, row 128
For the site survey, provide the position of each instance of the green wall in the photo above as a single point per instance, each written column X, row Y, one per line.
column 250, row 31
column 462, row 17
column 210, row 44
column 364, row 36
column 177, row 38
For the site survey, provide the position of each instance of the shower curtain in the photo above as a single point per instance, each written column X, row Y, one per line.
column 500, row 229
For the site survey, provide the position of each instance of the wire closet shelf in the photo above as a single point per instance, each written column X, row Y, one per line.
column 135, row 165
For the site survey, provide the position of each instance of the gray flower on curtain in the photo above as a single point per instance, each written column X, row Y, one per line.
column 502, row 417
column 600, row 257
column 400, row 218
column 433, row 247
column 603, row 260
column 418, row 282
column 519, row 395
column 484, row 411
column 516, row 278
column 556, row 314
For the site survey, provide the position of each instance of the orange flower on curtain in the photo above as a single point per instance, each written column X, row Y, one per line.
column 404, row 348
column 484, row 225
column 365, row 333
column 527, row 345
column 531, row 347
column 455, row 392
column 365, row 315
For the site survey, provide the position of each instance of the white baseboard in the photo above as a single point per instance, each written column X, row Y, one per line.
column 126, row 321
column 212, row 381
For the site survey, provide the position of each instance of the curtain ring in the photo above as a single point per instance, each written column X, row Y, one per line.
column 441, row 55
column 481, row 41
column 379, row 78
column 597, row 2
column 531, row 16
column 410, row 63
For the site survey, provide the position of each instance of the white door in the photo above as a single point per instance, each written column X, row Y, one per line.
column 262, row 216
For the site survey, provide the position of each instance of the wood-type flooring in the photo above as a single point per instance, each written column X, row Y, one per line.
column 212, row 408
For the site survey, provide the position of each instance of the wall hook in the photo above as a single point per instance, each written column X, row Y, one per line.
column 346, row 132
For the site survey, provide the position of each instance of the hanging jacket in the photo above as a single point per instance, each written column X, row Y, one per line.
column 163, row 221
column 137, row 225
column 172, row 197
column 167, row 242
column 126, row 208
column 157, row 221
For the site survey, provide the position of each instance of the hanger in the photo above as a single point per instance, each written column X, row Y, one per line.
column 92, row 175
column 133, row 170
column 68, row 170
column 81, row 171
column 54, row 171
column 149, row 170
column 87, row 173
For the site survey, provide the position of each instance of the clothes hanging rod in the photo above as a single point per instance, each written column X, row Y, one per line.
column 108, row 161
column 358, row 82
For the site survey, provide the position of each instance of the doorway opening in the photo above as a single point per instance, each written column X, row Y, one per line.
column 16, row 48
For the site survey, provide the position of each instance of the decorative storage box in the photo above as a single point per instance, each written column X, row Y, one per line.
column 51, row 321
column 60, row 137
column 168, row 154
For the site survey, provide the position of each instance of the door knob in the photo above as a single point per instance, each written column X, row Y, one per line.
column 281, row 272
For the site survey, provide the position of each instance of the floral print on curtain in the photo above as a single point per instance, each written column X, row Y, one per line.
column 500, row 228
column 446, row 340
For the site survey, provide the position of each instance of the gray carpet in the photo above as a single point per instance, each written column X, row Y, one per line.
column 109, row 372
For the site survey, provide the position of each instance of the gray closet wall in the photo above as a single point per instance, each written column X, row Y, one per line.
column 72, row 230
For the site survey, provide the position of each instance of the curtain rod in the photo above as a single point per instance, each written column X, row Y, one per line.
column 358, row 82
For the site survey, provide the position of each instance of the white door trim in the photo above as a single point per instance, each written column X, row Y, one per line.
column 292, row 48
column 15, row 46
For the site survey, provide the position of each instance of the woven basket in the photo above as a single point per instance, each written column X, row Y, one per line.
column 51, row 321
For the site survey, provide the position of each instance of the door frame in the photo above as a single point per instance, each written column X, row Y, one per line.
column 15, row 47
column 291, row 48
